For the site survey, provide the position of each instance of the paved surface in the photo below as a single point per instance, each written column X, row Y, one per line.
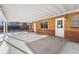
column 13, row 50
column 20, row 45
column 27, row 36
column 25, row 42
column 47, row 45
column 70, row 48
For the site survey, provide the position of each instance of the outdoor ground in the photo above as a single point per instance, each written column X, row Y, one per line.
column 33, row 43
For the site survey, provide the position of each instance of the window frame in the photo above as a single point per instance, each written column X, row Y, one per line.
column 75, row 21
column 44, row 25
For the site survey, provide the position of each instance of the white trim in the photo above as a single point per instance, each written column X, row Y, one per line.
column 2, row 15
column 67, row 13
column 59, row 31
column 63, row 14
column 34, row 27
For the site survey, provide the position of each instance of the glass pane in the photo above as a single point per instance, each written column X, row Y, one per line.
column 46, row 25
column 41, row 25
column 75, row 21
column 1, row 25
column 15, row 26
column 60, row 24
column 1, row 30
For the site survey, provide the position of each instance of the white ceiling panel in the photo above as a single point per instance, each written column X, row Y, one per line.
column 31, row 12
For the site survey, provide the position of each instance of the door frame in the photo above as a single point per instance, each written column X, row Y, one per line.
column 60, row 31
column 34, row 27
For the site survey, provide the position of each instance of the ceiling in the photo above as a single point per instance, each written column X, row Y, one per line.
column 33, row 12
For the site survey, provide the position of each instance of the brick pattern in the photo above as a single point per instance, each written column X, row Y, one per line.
column 46, row 32
column 72, row 35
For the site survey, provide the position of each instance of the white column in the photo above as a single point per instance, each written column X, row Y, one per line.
column 3, row 47
column 2, row 15
column 34, row 27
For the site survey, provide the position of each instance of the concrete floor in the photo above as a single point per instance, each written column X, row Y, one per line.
column 70, row 48
column 13, row 50
column 40, row 44
column 27, row 36
column 47, row 45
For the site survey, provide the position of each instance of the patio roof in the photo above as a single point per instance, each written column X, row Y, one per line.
column 33, row 12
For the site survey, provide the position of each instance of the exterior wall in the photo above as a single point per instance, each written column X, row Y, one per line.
column 71, row 33
column 50, row 30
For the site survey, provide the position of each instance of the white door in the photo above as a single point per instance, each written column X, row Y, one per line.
column 34, row 27
column 59, row 27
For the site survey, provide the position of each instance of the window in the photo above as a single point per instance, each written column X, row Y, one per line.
column 44, row 24
column 1, row 25
column 41, row 25
column 59, row 23
column 15, row 26
column 75, row 21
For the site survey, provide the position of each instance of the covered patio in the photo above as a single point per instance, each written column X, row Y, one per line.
column 33, row 43
column 20, row 41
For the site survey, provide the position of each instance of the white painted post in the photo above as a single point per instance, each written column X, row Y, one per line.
column 5, row 31
column 34, row 27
